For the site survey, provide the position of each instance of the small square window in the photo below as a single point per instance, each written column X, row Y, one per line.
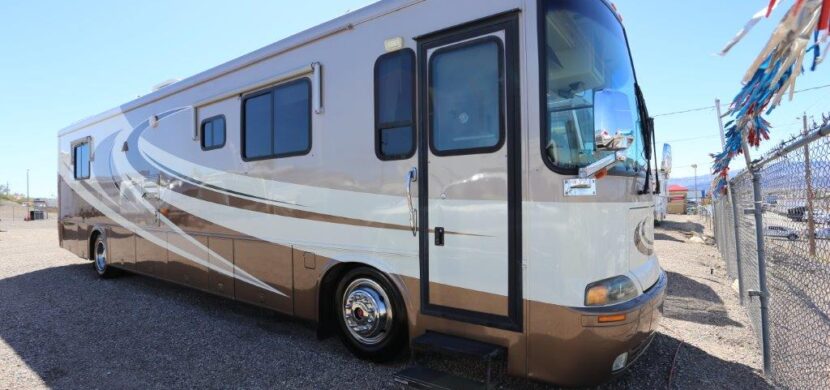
column 213, row 133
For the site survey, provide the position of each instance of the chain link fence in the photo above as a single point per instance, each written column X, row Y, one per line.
column 788, row 266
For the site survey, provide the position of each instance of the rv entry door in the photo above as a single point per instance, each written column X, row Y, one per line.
column 469, row 164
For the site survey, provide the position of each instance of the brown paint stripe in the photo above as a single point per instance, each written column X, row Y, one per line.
column 216, row 197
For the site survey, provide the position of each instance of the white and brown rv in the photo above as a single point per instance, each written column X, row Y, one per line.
column 416, row 173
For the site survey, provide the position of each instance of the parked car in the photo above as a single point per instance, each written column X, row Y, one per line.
column 691, row 207
column 820, row 217
column 823, row 233
column 780, row 231
column 796, row 213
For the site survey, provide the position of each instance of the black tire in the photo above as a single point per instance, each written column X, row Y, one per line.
column 388, row 333
column 100, row 257
column 792, row 237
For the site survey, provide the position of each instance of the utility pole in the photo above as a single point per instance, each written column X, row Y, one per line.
column 694, row 166
column 720, row 125
column 808, row 176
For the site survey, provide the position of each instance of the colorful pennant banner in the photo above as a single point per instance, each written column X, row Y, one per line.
column 772, row 75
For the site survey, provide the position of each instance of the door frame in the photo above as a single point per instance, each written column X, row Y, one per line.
column 509, row 23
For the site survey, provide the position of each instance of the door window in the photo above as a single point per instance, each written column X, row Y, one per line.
column 466, row 85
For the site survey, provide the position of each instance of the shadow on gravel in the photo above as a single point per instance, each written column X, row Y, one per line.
column 693, row 369
column 666, row 237
column 74, row 329
column 696, row 369
column 690, row 300
column 687, row 226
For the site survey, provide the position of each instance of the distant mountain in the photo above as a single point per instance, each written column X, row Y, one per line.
column 703, row 182
column 779, row 176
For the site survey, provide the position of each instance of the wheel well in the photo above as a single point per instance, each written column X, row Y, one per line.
column 326, row 324
column 91, row 244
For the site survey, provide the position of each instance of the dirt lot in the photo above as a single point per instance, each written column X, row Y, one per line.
column 62, row 327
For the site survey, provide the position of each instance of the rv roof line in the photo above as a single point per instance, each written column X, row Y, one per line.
column 333, row 27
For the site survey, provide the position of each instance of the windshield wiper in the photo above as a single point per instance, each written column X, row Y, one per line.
column 647, row 132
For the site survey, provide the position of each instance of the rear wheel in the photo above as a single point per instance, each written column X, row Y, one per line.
column 792, row 237
column 371, row 315
column 99, row 259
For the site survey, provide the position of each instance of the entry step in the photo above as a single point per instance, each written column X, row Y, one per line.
column 424, row 378
column 440, row 342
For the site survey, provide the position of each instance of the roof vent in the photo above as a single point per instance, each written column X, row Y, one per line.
column 165, row 84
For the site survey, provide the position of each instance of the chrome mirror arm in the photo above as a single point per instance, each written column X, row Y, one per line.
column 603, row 163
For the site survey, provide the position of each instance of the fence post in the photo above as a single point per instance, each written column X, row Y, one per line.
column 763, row 294
column 737, row 223
column 808, row 177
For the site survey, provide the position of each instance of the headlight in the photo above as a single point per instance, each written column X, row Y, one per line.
column 610, row 291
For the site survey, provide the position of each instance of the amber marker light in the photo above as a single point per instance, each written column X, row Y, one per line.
column 611, row 318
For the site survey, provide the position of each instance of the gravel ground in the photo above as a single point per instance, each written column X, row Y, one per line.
column 62, row 327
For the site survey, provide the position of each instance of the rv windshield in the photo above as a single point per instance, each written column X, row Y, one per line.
column 589, row 86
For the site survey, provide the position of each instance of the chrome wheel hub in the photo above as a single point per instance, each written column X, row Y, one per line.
column 100, row 256
column 367, row 311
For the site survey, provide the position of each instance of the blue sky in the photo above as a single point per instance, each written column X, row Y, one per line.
column 63, row 61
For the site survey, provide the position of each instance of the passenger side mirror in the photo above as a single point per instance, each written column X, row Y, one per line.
column 666, row 164
column 613, row 121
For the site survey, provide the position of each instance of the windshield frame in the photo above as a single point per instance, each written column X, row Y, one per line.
column 543, row 101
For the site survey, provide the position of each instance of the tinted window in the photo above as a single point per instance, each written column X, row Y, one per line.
column 395, row 105
column 258, row 125
column 396, row 141
column 466, row 100
column 213, row 133
column 80, row 157
column 277, row 122
column 292, row 110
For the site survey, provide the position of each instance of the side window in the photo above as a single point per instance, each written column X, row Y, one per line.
column 292, row 119
column 277, row 122
column 80, row 160
column 395, row 105
column 213, row 133
column 466, row 104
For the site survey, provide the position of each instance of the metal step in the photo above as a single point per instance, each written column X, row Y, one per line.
column 424, row 378
column 448, row 344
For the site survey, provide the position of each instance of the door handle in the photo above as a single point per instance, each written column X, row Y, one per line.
column 412, row 176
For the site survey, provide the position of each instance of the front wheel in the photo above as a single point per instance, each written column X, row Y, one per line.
column 371, row 315
column 792, row 237
column 99, row 258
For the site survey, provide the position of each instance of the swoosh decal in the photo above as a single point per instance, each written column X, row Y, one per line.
column 98, row 198
column 641, row 241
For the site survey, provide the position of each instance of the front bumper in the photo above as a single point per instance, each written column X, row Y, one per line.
column 570, row 347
